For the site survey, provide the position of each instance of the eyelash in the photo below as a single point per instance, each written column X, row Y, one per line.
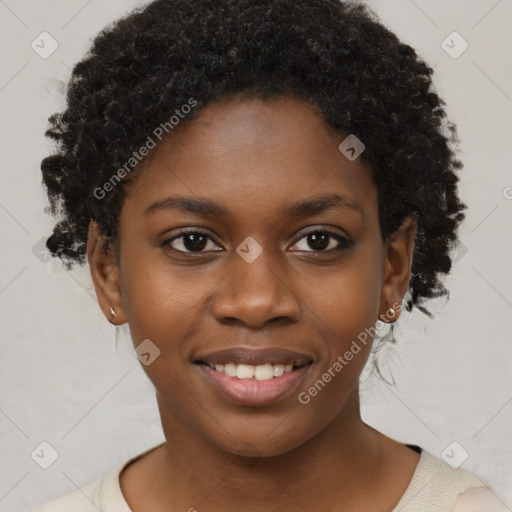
column 344, row 242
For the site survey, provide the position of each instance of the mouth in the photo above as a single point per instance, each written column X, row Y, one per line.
column 259, row 372
column 254, row 377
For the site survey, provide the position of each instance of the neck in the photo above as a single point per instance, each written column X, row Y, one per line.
column 336, row 464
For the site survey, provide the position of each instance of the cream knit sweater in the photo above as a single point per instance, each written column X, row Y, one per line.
column 435, row 487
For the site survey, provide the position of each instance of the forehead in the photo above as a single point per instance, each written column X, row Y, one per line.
column 246, row 126
column 247, row 152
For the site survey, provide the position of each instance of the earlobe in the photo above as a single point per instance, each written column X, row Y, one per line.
column 105, row 276
column 398, row 257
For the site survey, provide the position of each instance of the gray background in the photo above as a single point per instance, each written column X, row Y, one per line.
column 68, row 378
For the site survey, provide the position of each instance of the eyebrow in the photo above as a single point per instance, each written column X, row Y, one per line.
column 304, row 207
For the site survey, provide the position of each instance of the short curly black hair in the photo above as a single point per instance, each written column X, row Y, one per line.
column 331, row 53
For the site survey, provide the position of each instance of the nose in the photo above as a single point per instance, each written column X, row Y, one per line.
column 256, row 294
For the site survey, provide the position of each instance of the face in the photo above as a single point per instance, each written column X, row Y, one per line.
column 250, row 242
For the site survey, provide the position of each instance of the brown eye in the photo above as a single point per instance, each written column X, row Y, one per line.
column 324, row 241
column 190, row 241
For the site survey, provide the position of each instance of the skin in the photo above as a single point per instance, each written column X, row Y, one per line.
column 253, row 157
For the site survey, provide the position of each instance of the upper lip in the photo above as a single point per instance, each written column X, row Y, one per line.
column 255, row 356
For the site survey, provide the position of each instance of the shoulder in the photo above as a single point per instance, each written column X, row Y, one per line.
column 103, row 494
column 89, row 498
column 438, row 487
column 479, row 499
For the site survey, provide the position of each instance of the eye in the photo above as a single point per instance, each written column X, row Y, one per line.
column 322, row 240
column 189, row 242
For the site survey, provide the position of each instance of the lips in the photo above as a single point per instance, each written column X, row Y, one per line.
column 253, row 386
column 254, row 357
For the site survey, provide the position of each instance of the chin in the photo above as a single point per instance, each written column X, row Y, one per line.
column 260, row 442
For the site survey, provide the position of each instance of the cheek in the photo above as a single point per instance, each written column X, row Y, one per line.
column 344, row 307
column 161, row 300
column 348, row 343
column 346, row 299
column 162, row 305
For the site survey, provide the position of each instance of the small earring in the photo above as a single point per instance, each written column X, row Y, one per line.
column 112, row 312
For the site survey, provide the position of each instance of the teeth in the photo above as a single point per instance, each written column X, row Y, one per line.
column 230, row 369
column 278, row 370
column 249, row 371
column 245, row 371
column 264, row 372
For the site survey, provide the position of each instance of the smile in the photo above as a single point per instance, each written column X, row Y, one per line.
column 248, row 371
column 254, row 376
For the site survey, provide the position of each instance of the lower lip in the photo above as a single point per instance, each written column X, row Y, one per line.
column 252, row 391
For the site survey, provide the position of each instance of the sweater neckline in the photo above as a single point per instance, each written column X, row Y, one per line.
column 112, row 485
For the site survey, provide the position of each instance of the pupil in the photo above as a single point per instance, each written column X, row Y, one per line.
column 322, row 241
column 191, row 243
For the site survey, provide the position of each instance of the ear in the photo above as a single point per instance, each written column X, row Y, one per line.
column 398, row 255
column 105, row 276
